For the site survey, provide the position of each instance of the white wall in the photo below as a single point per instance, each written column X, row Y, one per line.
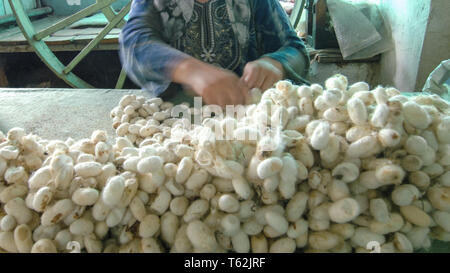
column 408, row 21
column 436, row 47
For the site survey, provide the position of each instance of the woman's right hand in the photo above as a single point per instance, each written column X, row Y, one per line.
column 216, row 85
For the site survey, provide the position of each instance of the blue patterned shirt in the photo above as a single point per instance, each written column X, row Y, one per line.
column 150, row 41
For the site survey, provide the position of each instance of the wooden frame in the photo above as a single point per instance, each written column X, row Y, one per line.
column 36, row 39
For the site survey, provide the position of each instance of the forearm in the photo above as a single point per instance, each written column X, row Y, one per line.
column 279, row 41
column 147, row 58
column 153, row 61
column 294, row 62
column 186, row 71
column 275, row 63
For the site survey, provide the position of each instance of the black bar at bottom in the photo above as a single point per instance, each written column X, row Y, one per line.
column 220, row 262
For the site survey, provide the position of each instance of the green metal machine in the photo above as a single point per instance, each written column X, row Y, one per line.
column 105, row 16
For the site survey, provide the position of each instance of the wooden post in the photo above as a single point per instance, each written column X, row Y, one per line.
column 3, row 79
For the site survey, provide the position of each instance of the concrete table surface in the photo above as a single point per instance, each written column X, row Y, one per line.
column 60, row 113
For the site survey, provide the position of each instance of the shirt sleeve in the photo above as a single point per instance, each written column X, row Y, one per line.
column 279, row 40
column 148, row 59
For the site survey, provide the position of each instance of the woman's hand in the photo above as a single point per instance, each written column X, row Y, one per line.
column 262, row 73
column 220, row 87
column 216, row 86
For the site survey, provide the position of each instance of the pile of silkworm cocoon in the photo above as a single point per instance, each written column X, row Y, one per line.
column 339, row 168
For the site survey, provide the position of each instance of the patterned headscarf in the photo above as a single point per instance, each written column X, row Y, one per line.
column 175, row 14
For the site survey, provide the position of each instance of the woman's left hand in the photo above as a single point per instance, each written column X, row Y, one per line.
column 262, row 73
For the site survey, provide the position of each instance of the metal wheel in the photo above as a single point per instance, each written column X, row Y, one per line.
column 37, row 39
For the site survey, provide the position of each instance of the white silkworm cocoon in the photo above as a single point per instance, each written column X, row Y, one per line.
column 44, row 246
column 357, row 132
column 344, row 210
column 150, row 183
column 252, row 227
column 81, row 227
column 228, row 203
column 379, row 210
column 42, row 198
column 404, row 195
column 54, row 214
column 271, row 183
column 358, row 86
column 169, row 227
column 444, row 179
column 363, row 147
column 196, row 210
column 346, row 172
column 337, row 190
column 201, row 237
column 85, row 196
column 88, row 169
column 304, row 91
column 306, row 106
column 389, row 137
column 149, row 164
column 8, row 223
column 443, row 130
column 149, row 226
column 415, row 145
column 298, row 123
column 230, row 225
column 115, row 216
column 323, row 240
column 416, row 115
column 365, row 96
column 112, row 193
column 380, row 116
column 380, row 95
column 184, row 169
column 9, row 152
column 40, row 178
column 161, row 202
column 363, row 236
column 17, row 208
column 339, row 128
column 335, row 114
column 283, row 245
column 288, row 176
column 296, row 206
column 357, row 111
column 321, row 136
column 431, row 139
column 197, row 179
column 23, row 239
column 332, row 97
column 269, row 167
column 415, row 216
column 130, row 164
column 442, row 219
column 320, row 104
column 337, row 81
column 402, row 243
column 241, row 242
column 390, row 174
